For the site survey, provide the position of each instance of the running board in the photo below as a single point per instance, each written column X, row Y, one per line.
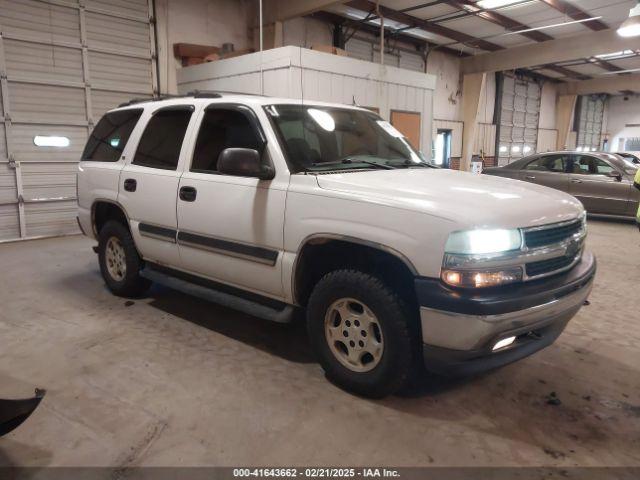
column 246, row 302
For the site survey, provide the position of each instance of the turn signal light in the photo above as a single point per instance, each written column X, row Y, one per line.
column 481, row 278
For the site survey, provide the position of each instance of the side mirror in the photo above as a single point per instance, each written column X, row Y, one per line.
column 244, row 162
column 615, row 174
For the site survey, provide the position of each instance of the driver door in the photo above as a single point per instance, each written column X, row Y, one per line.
column 230, row 229
column 599, row 192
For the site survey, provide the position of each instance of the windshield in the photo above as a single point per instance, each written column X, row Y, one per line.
column 326, row 138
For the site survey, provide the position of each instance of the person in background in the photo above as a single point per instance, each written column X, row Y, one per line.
column 636, row 183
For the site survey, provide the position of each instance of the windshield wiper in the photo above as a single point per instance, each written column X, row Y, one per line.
column 410, row 163
column 351, row 160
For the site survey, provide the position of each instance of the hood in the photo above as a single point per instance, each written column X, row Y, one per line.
column 468, row 199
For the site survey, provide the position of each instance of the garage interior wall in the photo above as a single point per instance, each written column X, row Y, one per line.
column 623, row 122
column 62, row 65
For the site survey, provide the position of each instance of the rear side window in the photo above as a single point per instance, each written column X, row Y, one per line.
column 161, row 141
column 221, row 129
column 550, row 163
column 109, row 137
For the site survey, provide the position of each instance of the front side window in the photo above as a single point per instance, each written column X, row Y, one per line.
column 161, row 141
column 322, row 138
column 220, row 129
column 549, row 163
column 109, row 137
column 592, row 166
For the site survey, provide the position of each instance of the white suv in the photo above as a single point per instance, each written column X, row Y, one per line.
column 284, row 207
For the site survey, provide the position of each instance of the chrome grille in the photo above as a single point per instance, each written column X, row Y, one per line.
column 544, row 236
column 543, row 267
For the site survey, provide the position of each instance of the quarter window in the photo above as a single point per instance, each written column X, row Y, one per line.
column 220, row 129
column 110, row 135
column 161, row 141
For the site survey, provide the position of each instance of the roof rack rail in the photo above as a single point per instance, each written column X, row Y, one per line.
column 193, row 93
column 219, row 93
column 134, row 101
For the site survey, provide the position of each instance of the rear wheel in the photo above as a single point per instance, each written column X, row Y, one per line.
column 360, row 331
column 120, row 263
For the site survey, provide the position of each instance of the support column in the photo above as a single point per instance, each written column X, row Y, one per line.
column 564, row 113
column 472, row 85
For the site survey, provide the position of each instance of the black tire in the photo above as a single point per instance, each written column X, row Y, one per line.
column 395, row 366
column 132, row 285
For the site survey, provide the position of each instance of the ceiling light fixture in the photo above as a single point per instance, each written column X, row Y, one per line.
column 631, row 26
column 555, row 25
column 488, row 4
column 616, row 72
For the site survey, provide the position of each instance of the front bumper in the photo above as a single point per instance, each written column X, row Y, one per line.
column 459, row 329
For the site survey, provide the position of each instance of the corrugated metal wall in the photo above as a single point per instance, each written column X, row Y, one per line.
column 63, row 63
column 319, row 80
column 368, row 50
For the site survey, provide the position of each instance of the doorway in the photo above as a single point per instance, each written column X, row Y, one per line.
column 443, row 148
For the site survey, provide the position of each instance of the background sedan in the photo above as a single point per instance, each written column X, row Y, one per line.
column 603, row 182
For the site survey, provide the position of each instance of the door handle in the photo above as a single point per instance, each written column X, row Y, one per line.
column 188, row 194
column 530, row 177
column 575, row 180
column 130, row 185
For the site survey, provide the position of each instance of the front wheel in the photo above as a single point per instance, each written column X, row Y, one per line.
column 360, row 331
column 119, row 261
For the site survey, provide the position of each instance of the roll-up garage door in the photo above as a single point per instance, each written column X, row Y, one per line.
column 518, row 118
column 590, row 113
column 368, row 49
column 63, row 63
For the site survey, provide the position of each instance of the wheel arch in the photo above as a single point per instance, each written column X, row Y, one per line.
column 331, row 243
column 104, row 209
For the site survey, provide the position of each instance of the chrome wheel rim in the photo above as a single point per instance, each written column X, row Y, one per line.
column 354, row 335
column 115, row 259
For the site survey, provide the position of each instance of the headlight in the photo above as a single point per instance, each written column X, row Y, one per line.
column 473, row 242
column 466, row 250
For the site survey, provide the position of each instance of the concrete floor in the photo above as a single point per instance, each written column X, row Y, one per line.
column 173, row 380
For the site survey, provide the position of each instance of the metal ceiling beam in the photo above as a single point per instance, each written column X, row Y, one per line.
column 426, row 25
column 499, row 19
column 332, row 18
column 513, row 26
column 575, row 13
column 612, row 84
column 552, row 51
column 566, row 72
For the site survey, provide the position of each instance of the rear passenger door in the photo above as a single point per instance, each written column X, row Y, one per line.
column 547, row 170
column 231, row 227
column 149, row 183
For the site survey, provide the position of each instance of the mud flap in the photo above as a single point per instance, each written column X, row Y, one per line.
column 14, row 412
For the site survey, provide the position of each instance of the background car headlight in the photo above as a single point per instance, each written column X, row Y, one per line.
column 481, row 278
column 473, row 242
